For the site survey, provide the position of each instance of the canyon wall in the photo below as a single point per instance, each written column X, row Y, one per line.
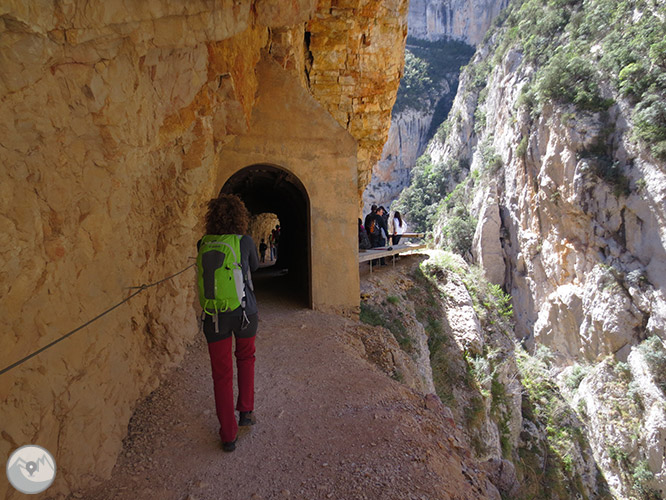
column 413, row 126
column 407, row 138
column 465, row 20
column 572, row 223
column 114, row 116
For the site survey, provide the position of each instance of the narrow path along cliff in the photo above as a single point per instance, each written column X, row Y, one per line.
column 330, row 425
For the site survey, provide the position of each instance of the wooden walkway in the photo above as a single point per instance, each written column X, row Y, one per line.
column 392, row 251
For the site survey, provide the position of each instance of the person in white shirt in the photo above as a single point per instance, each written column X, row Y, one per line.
column 399, row 227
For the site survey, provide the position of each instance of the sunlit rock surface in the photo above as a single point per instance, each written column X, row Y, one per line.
column 466, row 20
column 112, row 119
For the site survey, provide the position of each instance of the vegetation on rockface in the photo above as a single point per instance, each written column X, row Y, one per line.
column 427, row 66
column 622, row 408
column 491, row 304
column 590, row 53
column 455, row 224
column 429, row 309
column 558, row 451
column 459, row 226
column 431, row 183
column 481, row 375
column 471, row 384
column 388, row 317
column 654, row 354
column 553, row 456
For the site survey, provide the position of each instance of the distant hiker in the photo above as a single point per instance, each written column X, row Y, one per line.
column 271, row 246
column 385, row 216
column 399, row 227
column 366, row 223
column 262, row 250
column 374, row 225
column 276, row 239
column 227, row 220
column 363, row 240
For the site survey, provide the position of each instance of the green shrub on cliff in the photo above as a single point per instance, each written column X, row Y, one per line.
column 429, row 185
column 415, row 85
column 428, row 66
column 570, row 78
column 389, row 318
column 654, row 353
column 585, row 51
column 458, row 232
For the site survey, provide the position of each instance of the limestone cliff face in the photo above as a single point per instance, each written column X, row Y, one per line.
column 112, row 119
column 582, row 256
column 411, row 128
column 466, row 20
column 407, row 137
column 433, row 337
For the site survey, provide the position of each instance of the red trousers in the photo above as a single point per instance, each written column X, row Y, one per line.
column 223, row 378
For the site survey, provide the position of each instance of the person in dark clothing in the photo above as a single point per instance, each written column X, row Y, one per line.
column 227, row 215
column 375, row 223
column 363, row 240
column 373, row 210
column 262, row 250
column 385, row 216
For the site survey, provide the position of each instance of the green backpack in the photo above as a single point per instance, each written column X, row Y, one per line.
column 219, row 274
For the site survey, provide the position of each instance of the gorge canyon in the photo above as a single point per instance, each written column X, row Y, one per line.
column 528, row 140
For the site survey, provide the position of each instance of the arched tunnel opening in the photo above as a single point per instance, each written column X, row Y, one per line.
column 266, row 190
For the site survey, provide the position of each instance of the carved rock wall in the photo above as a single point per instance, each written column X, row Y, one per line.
column 112, row 119
column 349, row 51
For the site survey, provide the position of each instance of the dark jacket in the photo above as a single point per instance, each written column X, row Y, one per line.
column 376, row 238
column 363, row 240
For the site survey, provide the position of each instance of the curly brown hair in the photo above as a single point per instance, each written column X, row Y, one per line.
column 227, row 215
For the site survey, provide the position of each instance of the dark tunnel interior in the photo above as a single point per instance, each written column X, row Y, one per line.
column 270, row 189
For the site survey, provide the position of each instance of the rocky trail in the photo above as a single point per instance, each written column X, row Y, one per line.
column 329, row 425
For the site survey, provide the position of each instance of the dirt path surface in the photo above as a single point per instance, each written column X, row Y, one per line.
column 329, row 425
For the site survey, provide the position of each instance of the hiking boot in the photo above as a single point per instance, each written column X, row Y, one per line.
column 230, row 446
column 246, row 418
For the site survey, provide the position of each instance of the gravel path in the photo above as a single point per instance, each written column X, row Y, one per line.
column 329, row 425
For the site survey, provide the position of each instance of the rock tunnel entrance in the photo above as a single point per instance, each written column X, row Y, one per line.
column 267, row 189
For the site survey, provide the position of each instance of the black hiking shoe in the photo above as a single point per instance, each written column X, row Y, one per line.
column 246, row 418
column 230, row 446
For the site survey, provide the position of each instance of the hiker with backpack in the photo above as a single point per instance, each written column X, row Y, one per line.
column 374, row 225
column 373, row 210
column 225, row 260
column 363, row 240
